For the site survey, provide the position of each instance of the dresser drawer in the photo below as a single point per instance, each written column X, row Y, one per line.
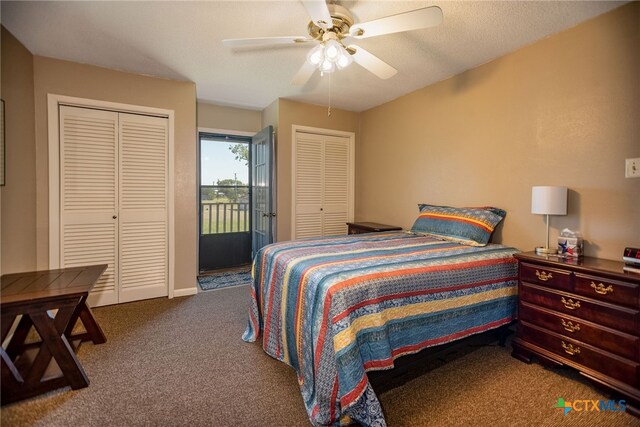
column 616, row 317
column 614, row 366
column 599, row 336
column 551, row 277
column 607, row 290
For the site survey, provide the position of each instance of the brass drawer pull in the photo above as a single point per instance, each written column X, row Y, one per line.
column 544, row 276
column 600, row 289
column 570, row 348
column 569, row 326
column 570, row 304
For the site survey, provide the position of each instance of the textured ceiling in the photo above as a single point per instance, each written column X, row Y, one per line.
column 182, row 40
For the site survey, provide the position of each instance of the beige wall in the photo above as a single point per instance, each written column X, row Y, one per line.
column 295, row 113
column 563, row 111
column 228, row 118
column 271, row 114
column 53, row 76
column 18, row 223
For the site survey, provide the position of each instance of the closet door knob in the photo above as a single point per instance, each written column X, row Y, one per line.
column 114, row 217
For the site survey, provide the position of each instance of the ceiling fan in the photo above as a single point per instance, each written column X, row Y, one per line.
column 332, row 28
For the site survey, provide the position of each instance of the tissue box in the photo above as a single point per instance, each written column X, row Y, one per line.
column 571, row 246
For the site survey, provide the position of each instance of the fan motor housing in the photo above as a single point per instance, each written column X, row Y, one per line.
column 342, row 21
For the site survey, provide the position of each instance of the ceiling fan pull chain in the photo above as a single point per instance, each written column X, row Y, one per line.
column 329, row 109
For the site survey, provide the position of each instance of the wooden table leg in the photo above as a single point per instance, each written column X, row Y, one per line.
column 10, row 375
column 94, row 332
column 15, row 346
column 53, row 337
column 7, row 323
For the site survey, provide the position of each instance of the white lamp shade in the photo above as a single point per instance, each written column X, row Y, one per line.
column 547, row 200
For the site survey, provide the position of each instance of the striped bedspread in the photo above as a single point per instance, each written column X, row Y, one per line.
column 335, row 308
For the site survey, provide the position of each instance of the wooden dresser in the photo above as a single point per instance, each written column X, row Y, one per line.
column 583, row 313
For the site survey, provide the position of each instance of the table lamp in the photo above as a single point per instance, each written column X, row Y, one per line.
column 546, row 200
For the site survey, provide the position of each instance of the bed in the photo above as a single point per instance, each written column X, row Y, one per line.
column 335, row 308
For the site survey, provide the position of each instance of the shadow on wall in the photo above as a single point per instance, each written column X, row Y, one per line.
column 464, row 79
column 496, row 237
column 572, row 222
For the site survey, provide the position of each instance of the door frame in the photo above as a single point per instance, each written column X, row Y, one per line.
column 226, row 132
column 352, row 163
column 53, row 116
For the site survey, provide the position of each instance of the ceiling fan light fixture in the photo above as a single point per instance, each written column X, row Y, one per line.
column 332, row 50
column 327, row 66
column 344, row 60
column 316, row 55
column 329, row 56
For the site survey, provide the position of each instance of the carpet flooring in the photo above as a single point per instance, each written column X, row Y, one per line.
column 181, row 362
column 224, row 279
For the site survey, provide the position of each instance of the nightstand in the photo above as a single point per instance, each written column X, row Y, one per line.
column 583, row 313
column 369, row 227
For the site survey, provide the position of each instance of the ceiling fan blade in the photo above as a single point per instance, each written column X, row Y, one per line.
column 266, row 41
column 414, row 20
column 372, row 63
column 319, row 13
column 304, row 74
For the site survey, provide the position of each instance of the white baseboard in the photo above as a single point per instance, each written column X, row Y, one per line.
column 185, row 292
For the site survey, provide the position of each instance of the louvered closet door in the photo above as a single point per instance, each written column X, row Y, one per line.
column 322, row 182
column 308, row 186
column 88, row 195
column 335, row 182
column 143, row 207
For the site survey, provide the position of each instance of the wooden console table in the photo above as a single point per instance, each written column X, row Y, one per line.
column 34, row 296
